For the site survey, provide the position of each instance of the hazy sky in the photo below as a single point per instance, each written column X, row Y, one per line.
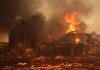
column 90, row 10
column 10, row 8
column 50, row 8
column 93, row 20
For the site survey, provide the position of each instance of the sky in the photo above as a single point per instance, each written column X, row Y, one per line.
column 89, row 11
column 93, row 20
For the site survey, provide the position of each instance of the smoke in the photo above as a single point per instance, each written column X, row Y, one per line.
column 51, row 8
column 92, row 20
column 55, row 10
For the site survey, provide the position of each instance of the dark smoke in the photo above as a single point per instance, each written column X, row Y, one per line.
column 59, row 9
column 54, row 10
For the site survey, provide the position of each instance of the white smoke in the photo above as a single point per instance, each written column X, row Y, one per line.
column 55, row 10
column 89, row 10
column 92, row 20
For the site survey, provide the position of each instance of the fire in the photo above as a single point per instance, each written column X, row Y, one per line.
column 71, row 19
column 77, row 40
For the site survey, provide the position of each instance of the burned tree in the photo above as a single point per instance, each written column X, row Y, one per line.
column 19, row 37
column 17, row 33
column 25, row 34
column 37, row 22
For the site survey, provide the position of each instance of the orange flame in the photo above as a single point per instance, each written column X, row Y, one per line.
column 71, row 19
column 77, row 40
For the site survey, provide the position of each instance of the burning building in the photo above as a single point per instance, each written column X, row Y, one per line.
column 74, row 24
column 73, row 44
column 76, row 41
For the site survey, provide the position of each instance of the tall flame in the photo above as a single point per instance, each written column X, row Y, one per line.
column 71, row 19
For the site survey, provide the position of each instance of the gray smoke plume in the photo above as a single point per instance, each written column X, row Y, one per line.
column 92, row 20
column 55, row 10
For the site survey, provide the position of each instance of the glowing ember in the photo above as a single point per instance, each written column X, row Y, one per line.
column 59, row 57
column 71, row 19
column 77, row 40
